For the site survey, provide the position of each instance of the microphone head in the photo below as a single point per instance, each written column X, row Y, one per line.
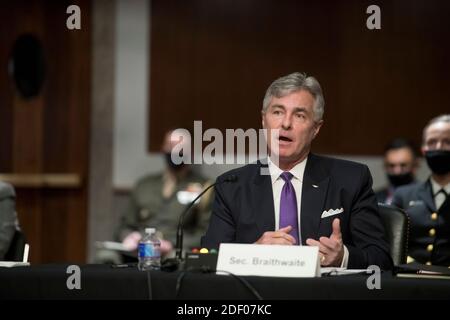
column 231, row 178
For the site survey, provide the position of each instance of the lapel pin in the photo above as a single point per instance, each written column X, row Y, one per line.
column 315, row 186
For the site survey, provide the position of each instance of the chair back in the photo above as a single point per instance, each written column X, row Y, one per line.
column 396, row 224
column 17, row 247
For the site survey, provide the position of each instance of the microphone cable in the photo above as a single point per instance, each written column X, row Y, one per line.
column 149, row 285
column 240, row 279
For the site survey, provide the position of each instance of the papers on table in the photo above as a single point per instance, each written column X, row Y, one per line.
column 10, row 264
column 416, row 270
column 331, row 271
column 112, row 245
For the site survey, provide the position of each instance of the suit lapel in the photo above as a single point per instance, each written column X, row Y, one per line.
column 426, row 194
column 262, row 201
column 314, row 192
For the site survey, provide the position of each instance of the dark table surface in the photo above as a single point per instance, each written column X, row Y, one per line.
column 106, row 282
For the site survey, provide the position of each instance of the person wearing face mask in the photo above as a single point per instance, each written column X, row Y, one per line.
column 428, row 204
column 400, row 165
column 157, row 200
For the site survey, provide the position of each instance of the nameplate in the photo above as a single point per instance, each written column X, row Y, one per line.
column 269, row 260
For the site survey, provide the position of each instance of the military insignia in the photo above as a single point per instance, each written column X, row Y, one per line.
column 413, row 203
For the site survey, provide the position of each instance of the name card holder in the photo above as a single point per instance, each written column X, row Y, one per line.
column 269, row 260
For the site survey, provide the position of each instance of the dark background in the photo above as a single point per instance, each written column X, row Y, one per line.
column 48, row 133
column 213, row 61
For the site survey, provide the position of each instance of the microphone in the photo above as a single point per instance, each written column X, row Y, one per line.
column 173, row 263
column 179, row 243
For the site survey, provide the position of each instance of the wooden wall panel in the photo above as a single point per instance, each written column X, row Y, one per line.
column 49, row 134
column 212, row 60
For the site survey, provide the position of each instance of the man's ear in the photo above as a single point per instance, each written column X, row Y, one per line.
column 317, row 126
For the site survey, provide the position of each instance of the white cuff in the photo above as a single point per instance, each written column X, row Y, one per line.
column 345, row 258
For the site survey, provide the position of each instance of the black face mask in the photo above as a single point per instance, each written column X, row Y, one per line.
column 397, row 180
column 438, row 161
column 171, row 164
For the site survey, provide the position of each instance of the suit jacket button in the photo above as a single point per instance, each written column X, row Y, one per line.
column 432, row 232
column 434, row 216
column 430, row 248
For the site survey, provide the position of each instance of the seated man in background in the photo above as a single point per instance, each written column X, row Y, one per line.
column 157, row 201
column 400, row 165
column 8, row 218
column 428, row 203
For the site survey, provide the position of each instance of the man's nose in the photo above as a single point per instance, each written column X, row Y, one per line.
column 287, row 122
column 398, row 170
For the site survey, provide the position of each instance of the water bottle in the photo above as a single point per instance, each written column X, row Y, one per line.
column 149, row 251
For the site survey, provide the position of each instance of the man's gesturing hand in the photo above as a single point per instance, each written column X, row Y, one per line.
column 331, row 249
column 281, row 236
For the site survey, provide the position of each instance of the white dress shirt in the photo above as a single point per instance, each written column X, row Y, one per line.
column 297, row 182
column 439, row 197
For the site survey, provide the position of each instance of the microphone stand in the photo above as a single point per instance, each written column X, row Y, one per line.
column 180, row 230
column 173, row 263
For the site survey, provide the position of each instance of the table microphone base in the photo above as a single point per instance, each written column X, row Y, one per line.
column 172, row 264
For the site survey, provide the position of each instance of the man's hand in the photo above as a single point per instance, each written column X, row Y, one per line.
column 331, row 250
column 280, row 236
column 166, row 247
column 131, row 241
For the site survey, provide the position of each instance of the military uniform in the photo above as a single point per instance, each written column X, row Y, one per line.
column 149, row 208
column 384, row 195
column 8, row 217
column 429, row 237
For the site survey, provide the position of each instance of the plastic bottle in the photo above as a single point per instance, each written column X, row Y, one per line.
column 149, row 251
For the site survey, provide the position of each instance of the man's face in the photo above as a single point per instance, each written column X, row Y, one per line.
column 437, row 137
column 399, row 161
column 293, row 115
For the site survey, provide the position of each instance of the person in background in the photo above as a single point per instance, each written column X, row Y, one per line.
column 428, row 204
column 400, row 165
column 157, row 200
column 8, row 217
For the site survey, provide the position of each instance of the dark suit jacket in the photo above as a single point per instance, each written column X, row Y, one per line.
column 244, row 210
column 418, row 202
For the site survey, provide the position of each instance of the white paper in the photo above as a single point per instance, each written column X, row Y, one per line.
column 112, row 245
column 10, row 264
column 269, row 260
column 332, row 271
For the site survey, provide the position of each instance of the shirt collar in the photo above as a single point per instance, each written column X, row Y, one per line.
column 297, row 171
column 436, row 187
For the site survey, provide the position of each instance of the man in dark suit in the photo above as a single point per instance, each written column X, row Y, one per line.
column 305, row 199
column 428, row 203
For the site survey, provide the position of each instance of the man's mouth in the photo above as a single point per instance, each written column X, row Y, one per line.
column 285, row 139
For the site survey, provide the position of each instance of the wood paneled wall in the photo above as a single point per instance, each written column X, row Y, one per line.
column 49, row 133
column 212, row 60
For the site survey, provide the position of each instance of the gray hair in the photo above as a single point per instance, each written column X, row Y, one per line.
column 442, row 118
column 295, row 82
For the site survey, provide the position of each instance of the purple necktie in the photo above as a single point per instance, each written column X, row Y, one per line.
column 288, row 206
